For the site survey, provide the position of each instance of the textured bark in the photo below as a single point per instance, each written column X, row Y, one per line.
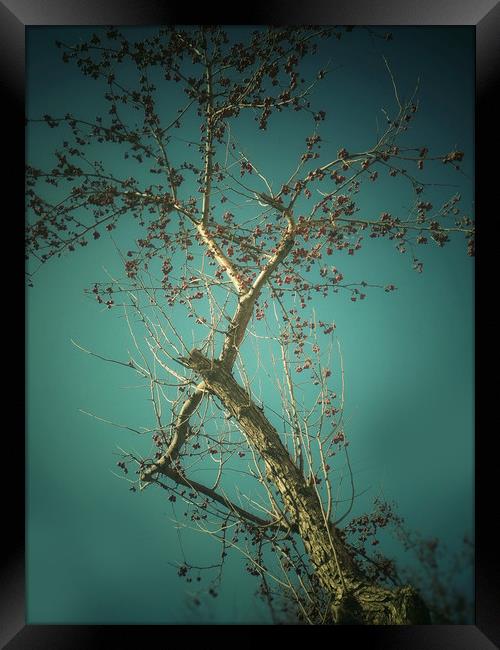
column 246, row 302
column 182, row 431
column 354, row 599
column 235, row 333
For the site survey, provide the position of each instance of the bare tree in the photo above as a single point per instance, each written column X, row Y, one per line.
column 244, row 256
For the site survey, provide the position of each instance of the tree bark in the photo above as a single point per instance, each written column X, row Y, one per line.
column 354, row 599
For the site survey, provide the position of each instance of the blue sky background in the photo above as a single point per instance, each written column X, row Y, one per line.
column 98, row 553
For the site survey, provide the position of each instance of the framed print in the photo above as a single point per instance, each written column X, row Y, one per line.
column 250, row 315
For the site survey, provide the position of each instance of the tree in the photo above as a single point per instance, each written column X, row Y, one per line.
column 239, row 253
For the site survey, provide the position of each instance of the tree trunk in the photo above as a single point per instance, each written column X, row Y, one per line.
column 354, row 598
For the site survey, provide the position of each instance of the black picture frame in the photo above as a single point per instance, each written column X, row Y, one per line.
column 15, row 16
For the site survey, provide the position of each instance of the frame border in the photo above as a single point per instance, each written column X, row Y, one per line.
column 15, row 16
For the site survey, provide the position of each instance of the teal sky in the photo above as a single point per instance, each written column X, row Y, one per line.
column 98, row 553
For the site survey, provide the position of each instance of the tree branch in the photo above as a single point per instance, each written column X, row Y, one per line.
column 178, row 478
